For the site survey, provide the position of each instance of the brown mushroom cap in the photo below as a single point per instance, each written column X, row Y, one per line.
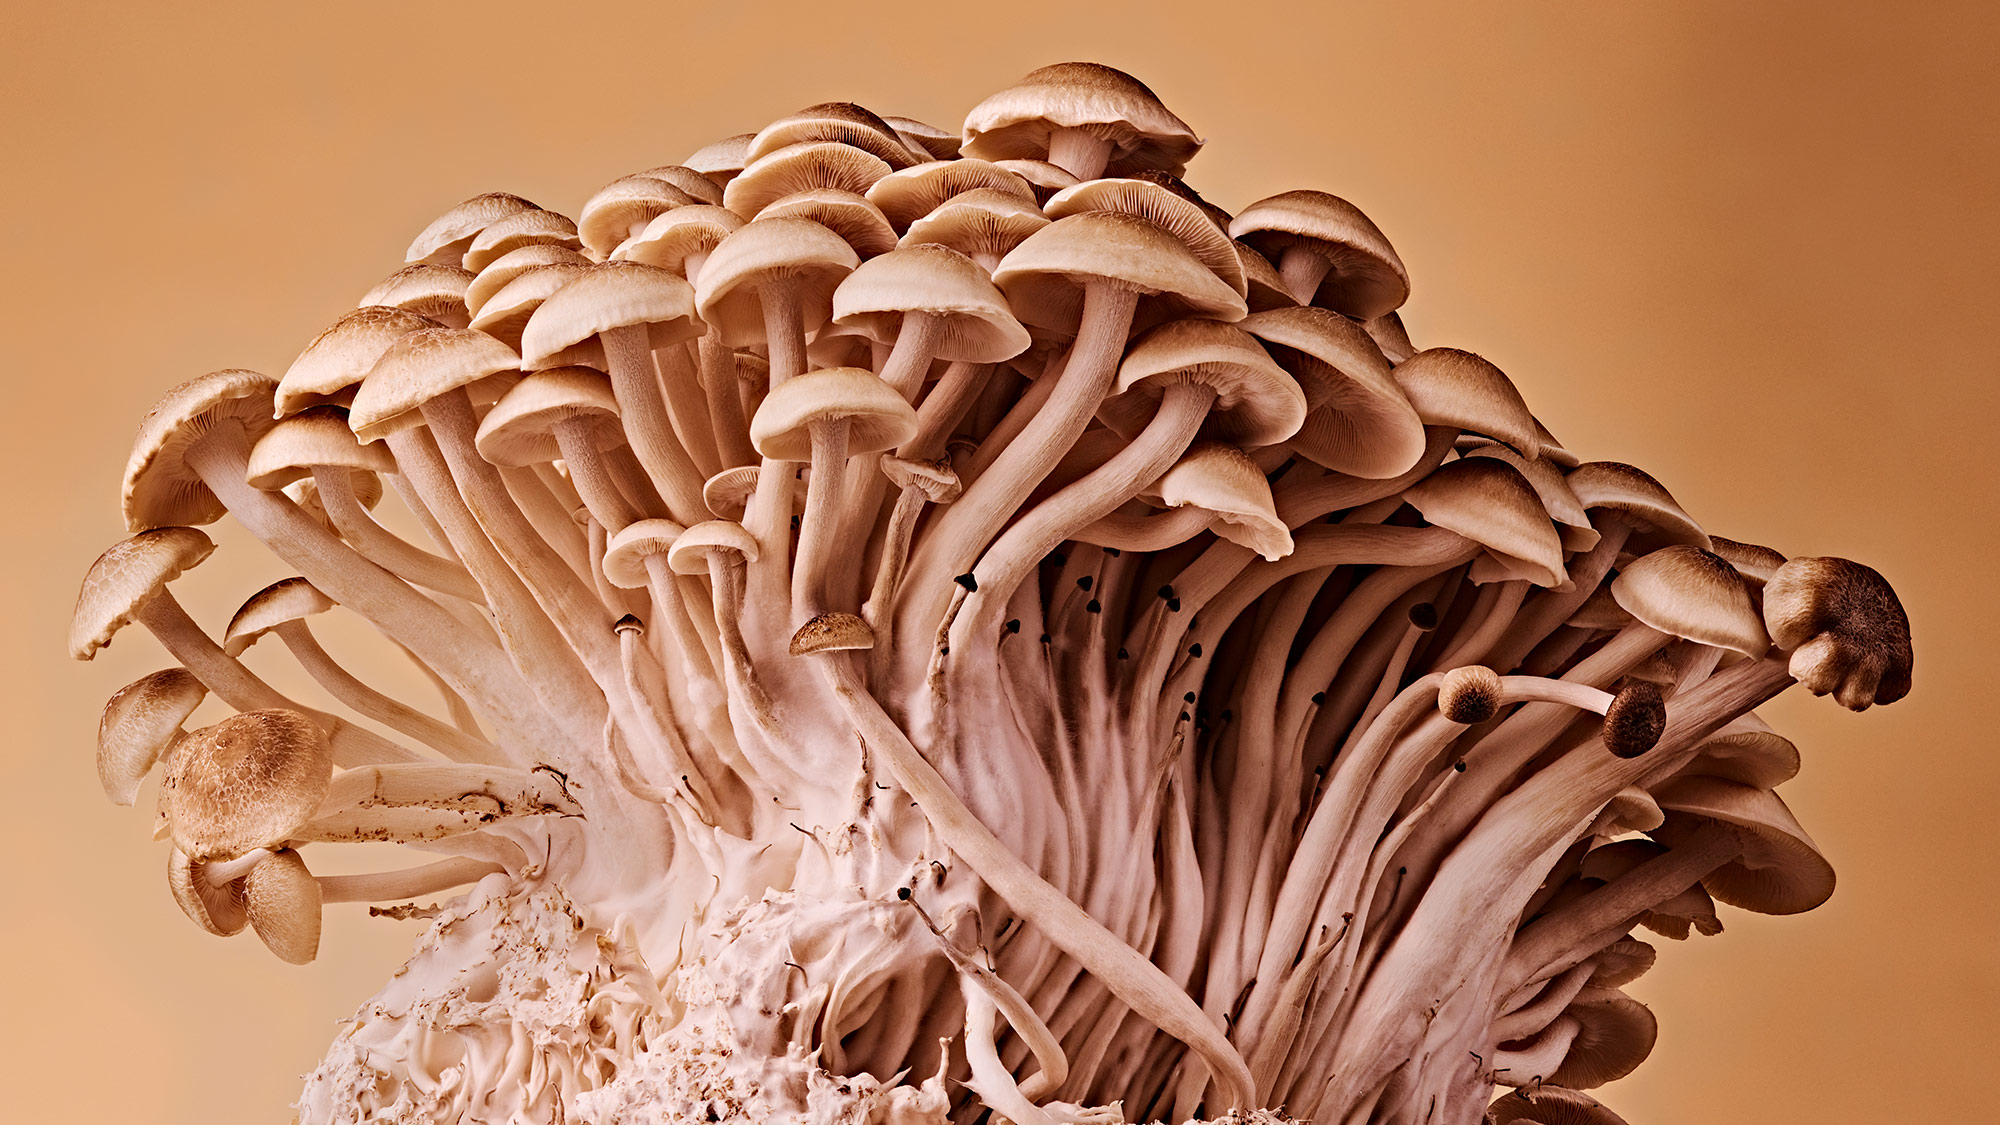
column 1221, row 479
column 1256, row 401
column 1845, row 628
column 126, row 577
column 282, row 901
column 218, row 910
column 1108, row 103
column 1366, row 280
column 1692, row 593
column 140, row 722
column 1044, row 178
column 1488, row 502
column 1781, row 870
column 330, row 368
column 795, row 251
column 1165, row 209
column 1449, row 387
column 444, row 240
column 1552, row 488
column 832, row 632
column 1357, row 418
column 1618, row 1033
column 159, row 488
column 975, row 324
column 564, row 328
column 1748, row 752
column 422, row 366
column 522, row 228
column 877, row 417
column 1550, row 1105
column 288, row 599
column 1616, row 487
column 1622, row 962
column 319, row 435
column 434, row 291
column 520, row 429
column 249, row 781
column 802, row 167
column 1044, row 276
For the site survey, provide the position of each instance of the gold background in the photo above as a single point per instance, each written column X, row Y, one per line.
column 1752, row 251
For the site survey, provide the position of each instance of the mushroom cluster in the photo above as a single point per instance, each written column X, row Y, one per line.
column 934, row 622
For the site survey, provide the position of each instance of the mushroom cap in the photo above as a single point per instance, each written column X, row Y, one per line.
column 1044, row 179
column 419, row 367
column 688, row 180
column 1264, row 288
column 1755, row 563
column 249, row 781
column 1044, row 276
column 1635, row 719
column 501, row 271
column 721, row 160
column 622, row 208
column 318, row 435
column 1488, row 502
column 836, row 122
column 563, row 329
column 802, row 167
column 1692, row 593
column 1470, row 694
column 927, row 137
column 1162, row 207
column 877, row 417
column 288, row 599
column 505, row 315
column 1389, row 334
column 434, row 291
column 218, row 910
column 1618, row 1033
column 1221, row 478
column 1358, row 420
column 935, row 479
column 1622, row 962
column 1845, row 628
column 520, row 429
column 981, row 224
column 305, row 493
column 1621, row 488
column 1748, row 752
column 794, row 251
column 1256, row 401
column 522, row 228
column 1550, row 1105
column 282, row 900
column 690, row 552
column 674, row 236
column 444, row 240
column 908, row 194
column 1781, row 870
column 330, row 367
column 728, row 492
column 1551, row 487
column 126, row 577
column 1107, row 103
column 1449, row 387
column 1367, row 279
column 160, row 489
column 840, row 345
column 832, row 632
column 858, row 222
column 625, row 552
column 976, row 326
column 140, row 722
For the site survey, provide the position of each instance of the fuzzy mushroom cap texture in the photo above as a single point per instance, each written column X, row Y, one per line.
column 1634, row 494
column 140, row 722
column 1256, row 401
column 625, row 552
column 792, row 251
column 977, row 326
column 218, row 910
column 282, row 900
column 563, row 329
column 1469, row 694
column 1635, row 719
column 1449, row 387
column 318, row 435
column 520, row 429
column 444, row 240
column 832, row 632
column 159, row 488
column 126, row 577
column 505, row 314
column 1108, row 103
column 289, row 599
column 1550, row 1105
column 1781, row 870
column 419, row 367
column 1694, row 594
column 1366, row 280
column 1488, row 502
column 250, row 781
column 434, row 291
column 689, row 554
column 1220, row 478
column 1044, row 276
column 1845, row 628
column 331, row 367
column 622, row 208
column 523, row 228
column 1358, row 421
column 877, row 417
column 1163, row 208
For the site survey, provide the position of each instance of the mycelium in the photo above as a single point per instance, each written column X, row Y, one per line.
column 926, row 634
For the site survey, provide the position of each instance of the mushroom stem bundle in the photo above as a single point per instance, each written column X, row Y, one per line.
column 942, row 623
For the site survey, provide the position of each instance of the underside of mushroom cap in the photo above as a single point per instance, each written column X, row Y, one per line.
column 802, row 167
column 976, row 324
column 523, row 228
column 429, row 290
column 1550, row 1105
column 159, row 488
column 1781, row 871
column 444, row 240
column 1488, row 502
column 1692, row 593
column 1365, row 279
column 1358, row 420
column 1257, row 402
column 1044, row 276
column 218, row 910
column 797, row 252
column 419, row 367
column 520, row 429
column 281, row 899
column 1617, row 487
column 288, row 599
column 1108, row 103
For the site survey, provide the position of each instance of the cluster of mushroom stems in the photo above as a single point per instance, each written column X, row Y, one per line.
column 952, row 622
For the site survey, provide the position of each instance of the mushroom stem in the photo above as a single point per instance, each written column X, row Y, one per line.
column 725, row 405
column 1491, row 614
column 343, row 686
column 819, row 528
column 1550, row 608
column 942, row 409
column 1079, row 151
column 1302, row 269
column 222, row 872
column 1154, row 531
column 636, row 387
column 687, row 406
column 385, row 548
column 388, row 886
column 607, row 505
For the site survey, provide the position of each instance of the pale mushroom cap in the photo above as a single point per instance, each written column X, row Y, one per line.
column 689, row 554
column 140, row 722
column 126, row 577
column 927, row 137
column 330, row 367
column 523, row 228
column 802, row 167
column 1618, row 487
column 1163, row 208
column 1449, row 387
column 1043, row 277
column 520, row 429
column 837, row 122
column 792, row 251
column 1367, row 279
column 1692, row 593
column 858, row 222
column 1389, row 334
column 1256, row 401
column 501, row 271
column 282, row 900
column 1488, row 502
column 982, row 224
column 612, row 295
column 625, row 552
column 729, row 491
column 218, row 910
column 159, row 488
column 1618, row 1033
column 1845, row 628
column 1550, row 1105
column 1044, row 178
column 319, row 435
column 622, row 208
column 250, row 781
column 305, row 493
column 977, row 327
column 1358, row 420
column 419, row 367
column 1110, row 104
column 935, row 479
column 832, row 632
column 909, row 194
column 444, row 240
column 1781, row 870
column 673, row 236
column 1220, row 478
column 505, row 315
column 688, row 180
column 877, row 417
column 721, row 160
column 289, row 599
column 434, row 291
column 1550, row 486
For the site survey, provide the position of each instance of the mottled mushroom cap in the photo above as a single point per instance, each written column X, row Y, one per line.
column 1845, row 628
column 250, row 781
column 832, row 632
column 126, row 577
column 501, row 271
column 160, row 488
column 140, row 722
column 858, row 222
column 505, row 314
column 444, row 240
column 1108, row 103
column 975, row 324
column 289, row 599
column 331, row 367
column 427, row 289
column 522, row 228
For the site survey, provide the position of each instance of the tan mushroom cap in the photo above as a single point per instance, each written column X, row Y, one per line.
column 694, row 183
column 422, row 366
column 690, row 552
column 877, row 417
column 503, row 270
column 721, row 160
column 434, row 291
column 940, row 144
column 159, row 489
column 1366, row 279
column 444, row 240
column 1044, row 178
column 1755, row 563
column 520, row 429
column 126, row 577
column 1108, row 103
column 523, row 228
column 564, row 328
column 802, row 167
column 1692, row 593
column 934, row 478
column 1220, row 478
column 305, row 493
column 674, row 236
column 1845, row 628
column 249, row 781
column 1748, row 752
column 320, row 435
column 1256, row 401
column 1600, row 611
column 218, row 910
column 1618, row 1033
column 1163, row 208
column 1616, row 487
column 330, row 367
column 1264, row 289
column 140, row 722
column 976, row 326
column 1449, row 387
column 851, row 216
column 282, row 900
column 909, row 194
column 622, row 208
column 832, row 632
column 1550, row 1105
column 728, row 492
column 837, row 122
column 1552, row 487
column 1044, row 276
column 505, row 315
column 1622, row 962
column 1488, row 502
column 983, row 225
column 1781, row 870
column 1357, row 418
column 1389, row 334
column 288, row 599
column 625, row 552
column 792, row 251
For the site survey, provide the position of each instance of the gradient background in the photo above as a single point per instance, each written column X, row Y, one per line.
column 1755, row 252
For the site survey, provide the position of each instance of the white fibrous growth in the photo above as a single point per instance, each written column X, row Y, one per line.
column 935, row 626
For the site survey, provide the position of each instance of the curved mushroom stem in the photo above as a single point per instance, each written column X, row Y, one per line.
column 608, row 506
column 385, row 548
column 944, row 408
column 687, row 407
column 342, row 685
column 1155, row 531
column 656, row 709
column 388, row 886
column 910, row 359
column 725, row 406
column 1491, row 615
column 820, row 525
column 633, row 383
